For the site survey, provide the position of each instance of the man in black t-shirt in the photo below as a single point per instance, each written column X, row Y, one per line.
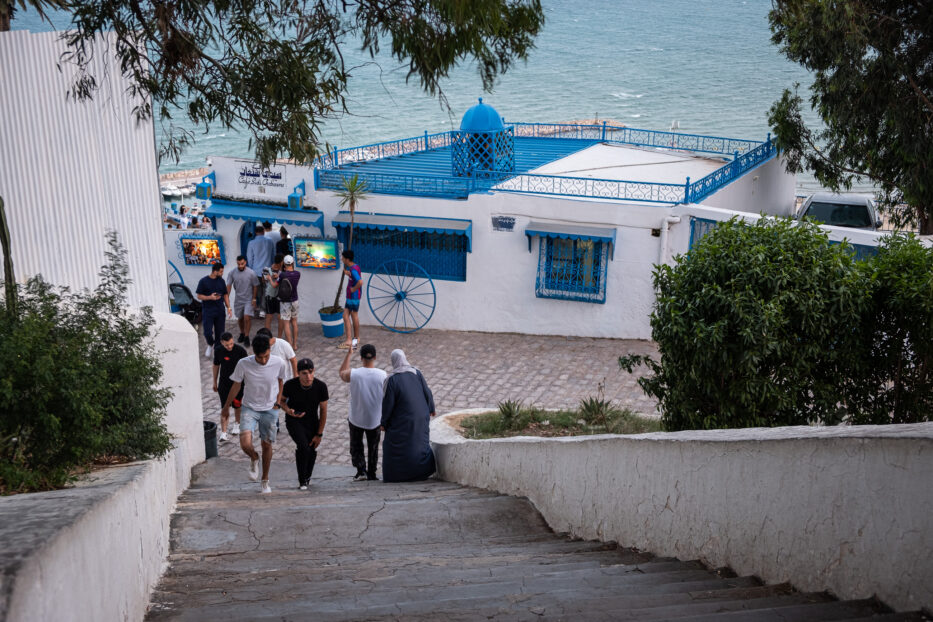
column 212, row 292
column 302, row 397
column 226, row 356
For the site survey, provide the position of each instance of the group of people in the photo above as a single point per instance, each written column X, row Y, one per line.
column 272, row 379
column 185, row 219
column 259, row 386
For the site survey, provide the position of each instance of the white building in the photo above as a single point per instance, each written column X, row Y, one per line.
column 529, row 228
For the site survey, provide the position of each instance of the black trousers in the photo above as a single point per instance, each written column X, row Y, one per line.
column 302, row 432
column 213, row 324
column 356, row 450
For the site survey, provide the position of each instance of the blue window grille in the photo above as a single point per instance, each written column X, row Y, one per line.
column 700, row 227
column 860, row 251
column 572, row 269
column 442, row 255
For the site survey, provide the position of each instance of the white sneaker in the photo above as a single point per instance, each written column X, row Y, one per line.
column 266, row 488
column 235, row 429
column 303, row 487
column 254, row 470
column 208, row 352
column 223, row 437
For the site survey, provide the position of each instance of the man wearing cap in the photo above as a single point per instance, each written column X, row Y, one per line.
column 288, row 311
column 263, row 375
column 365, row 410
column 212, row 293
column 304, row 400
column 281, row 349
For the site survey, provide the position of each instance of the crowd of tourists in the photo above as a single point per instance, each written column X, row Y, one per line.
column 272, row 380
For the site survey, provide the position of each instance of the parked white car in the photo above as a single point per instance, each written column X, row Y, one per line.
column 841, row 210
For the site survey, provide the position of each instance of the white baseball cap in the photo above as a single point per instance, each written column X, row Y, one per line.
column 289, row 260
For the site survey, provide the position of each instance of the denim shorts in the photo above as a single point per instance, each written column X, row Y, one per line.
column 264, row 420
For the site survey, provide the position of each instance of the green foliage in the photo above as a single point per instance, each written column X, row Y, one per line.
column 78, row 381
column 277, row 67
column 513, row 418
column 354, row 190
column 873, row 86
column 749, row 325
column 895, row 343
column 769, row 325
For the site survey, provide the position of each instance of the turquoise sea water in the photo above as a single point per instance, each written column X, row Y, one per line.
column 708, row 64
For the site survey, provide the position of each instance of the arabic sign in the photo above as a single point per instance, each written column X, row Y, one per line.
column 244, row 179
column 255, row 176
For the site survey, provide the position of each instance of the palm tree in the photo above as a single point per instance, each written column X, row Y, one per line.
column 354, row 189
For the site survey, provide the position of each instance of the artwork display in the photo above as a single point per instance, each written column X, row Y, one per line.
column 202, row 251
column 316, row 253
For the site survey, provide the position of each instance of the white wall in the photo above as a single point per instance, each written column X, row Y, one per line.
column 767, row 189
column 499, row 294
column 96, row 552
column 73, row 170
column 843, row 509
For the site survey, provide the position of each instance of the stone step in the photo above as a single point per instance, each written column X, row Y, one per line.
column 836, row 610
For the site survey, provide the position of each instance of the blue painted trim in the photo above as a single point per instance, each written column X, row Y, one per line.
column 610, row 239
column 468, row 232
column 242, row 210
column 181, row 279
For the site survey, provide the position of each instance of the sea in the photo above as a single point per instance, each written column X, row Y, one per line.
column 704, row 66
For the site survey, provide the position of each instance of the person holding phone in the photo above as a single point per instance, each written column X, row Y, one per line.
column 304, row 400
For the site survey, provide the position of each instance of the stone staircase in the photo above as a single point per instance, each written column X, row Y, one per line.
column 434, row 551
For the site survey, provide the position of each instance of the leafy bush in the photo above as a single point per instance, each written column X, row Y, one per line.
column 79, row 380
column 895, row 341
column 752, row 327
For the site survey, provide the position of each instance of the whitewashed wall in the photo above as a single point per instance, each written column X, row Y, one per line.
column 71, row 170
column 767, row 189
column 499, row 294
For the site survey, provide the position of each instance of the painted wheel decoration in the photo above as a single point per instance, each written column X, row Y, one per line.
column 401, row 295
column 174, row 276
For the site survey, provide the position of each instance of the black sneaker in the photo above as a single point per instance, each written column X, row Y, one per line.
column 241, row 338
column 359, row 477
column 246, row 341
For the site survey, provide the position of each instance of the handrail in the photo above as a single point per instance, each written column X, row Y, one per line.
column 705, row 186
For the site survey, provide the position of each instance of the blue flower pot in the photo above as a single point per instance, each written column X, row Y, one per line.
column 332, row 323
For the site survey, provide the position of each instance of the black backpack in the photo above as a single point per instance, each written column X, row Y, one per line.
column 285, row 289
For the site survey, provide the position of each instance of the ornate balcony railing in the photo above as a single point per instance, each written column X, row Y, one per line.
column 646, row 191
column 705, row 186
column 636, row 137
column 377, row 151
column 410, row 185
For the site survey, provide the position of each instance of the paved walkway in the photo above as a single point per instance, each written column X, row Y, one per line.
column 464, row 370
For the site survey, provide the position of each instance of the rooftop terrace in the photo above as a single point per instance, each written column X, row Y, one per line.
column 593, row 161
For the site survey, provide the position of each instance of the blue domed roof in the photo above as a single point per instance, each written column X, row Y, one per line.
column 481, row 118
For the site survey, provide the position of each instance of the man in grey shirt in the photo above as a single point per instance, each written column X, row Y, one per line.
column 245, row 284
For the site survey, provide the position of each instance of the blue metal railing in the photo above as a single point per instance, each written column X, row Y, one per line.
column 378, row 151
column 648, row 191
column 746, row 154
column 705, row 186
column 637, row 137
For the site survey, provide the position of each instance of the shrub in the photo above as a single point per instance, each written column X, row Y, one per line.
column 753, row 327
column 79, row 380
column 895, row 340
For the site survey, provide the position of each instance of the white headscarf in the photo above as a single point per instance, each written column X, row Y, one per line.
column 400, row 364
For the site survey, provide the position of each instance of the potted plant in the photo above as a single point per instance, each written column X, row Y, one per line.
column 354, row 189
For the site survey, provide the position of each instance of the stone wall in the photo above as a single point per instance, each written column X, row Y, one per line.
column 96, row 551
column 840, row 509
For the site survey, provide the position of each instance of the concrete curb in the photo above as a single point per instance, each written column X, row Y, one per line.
column 840, row 509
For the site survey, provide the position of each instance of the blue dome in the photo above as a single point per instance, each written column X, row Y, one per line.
column 481, row 118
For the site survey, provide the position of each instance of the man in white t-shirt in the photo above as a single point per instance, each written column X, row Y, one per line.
column 365, row 410
column 282, row 349
column 263, row 375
